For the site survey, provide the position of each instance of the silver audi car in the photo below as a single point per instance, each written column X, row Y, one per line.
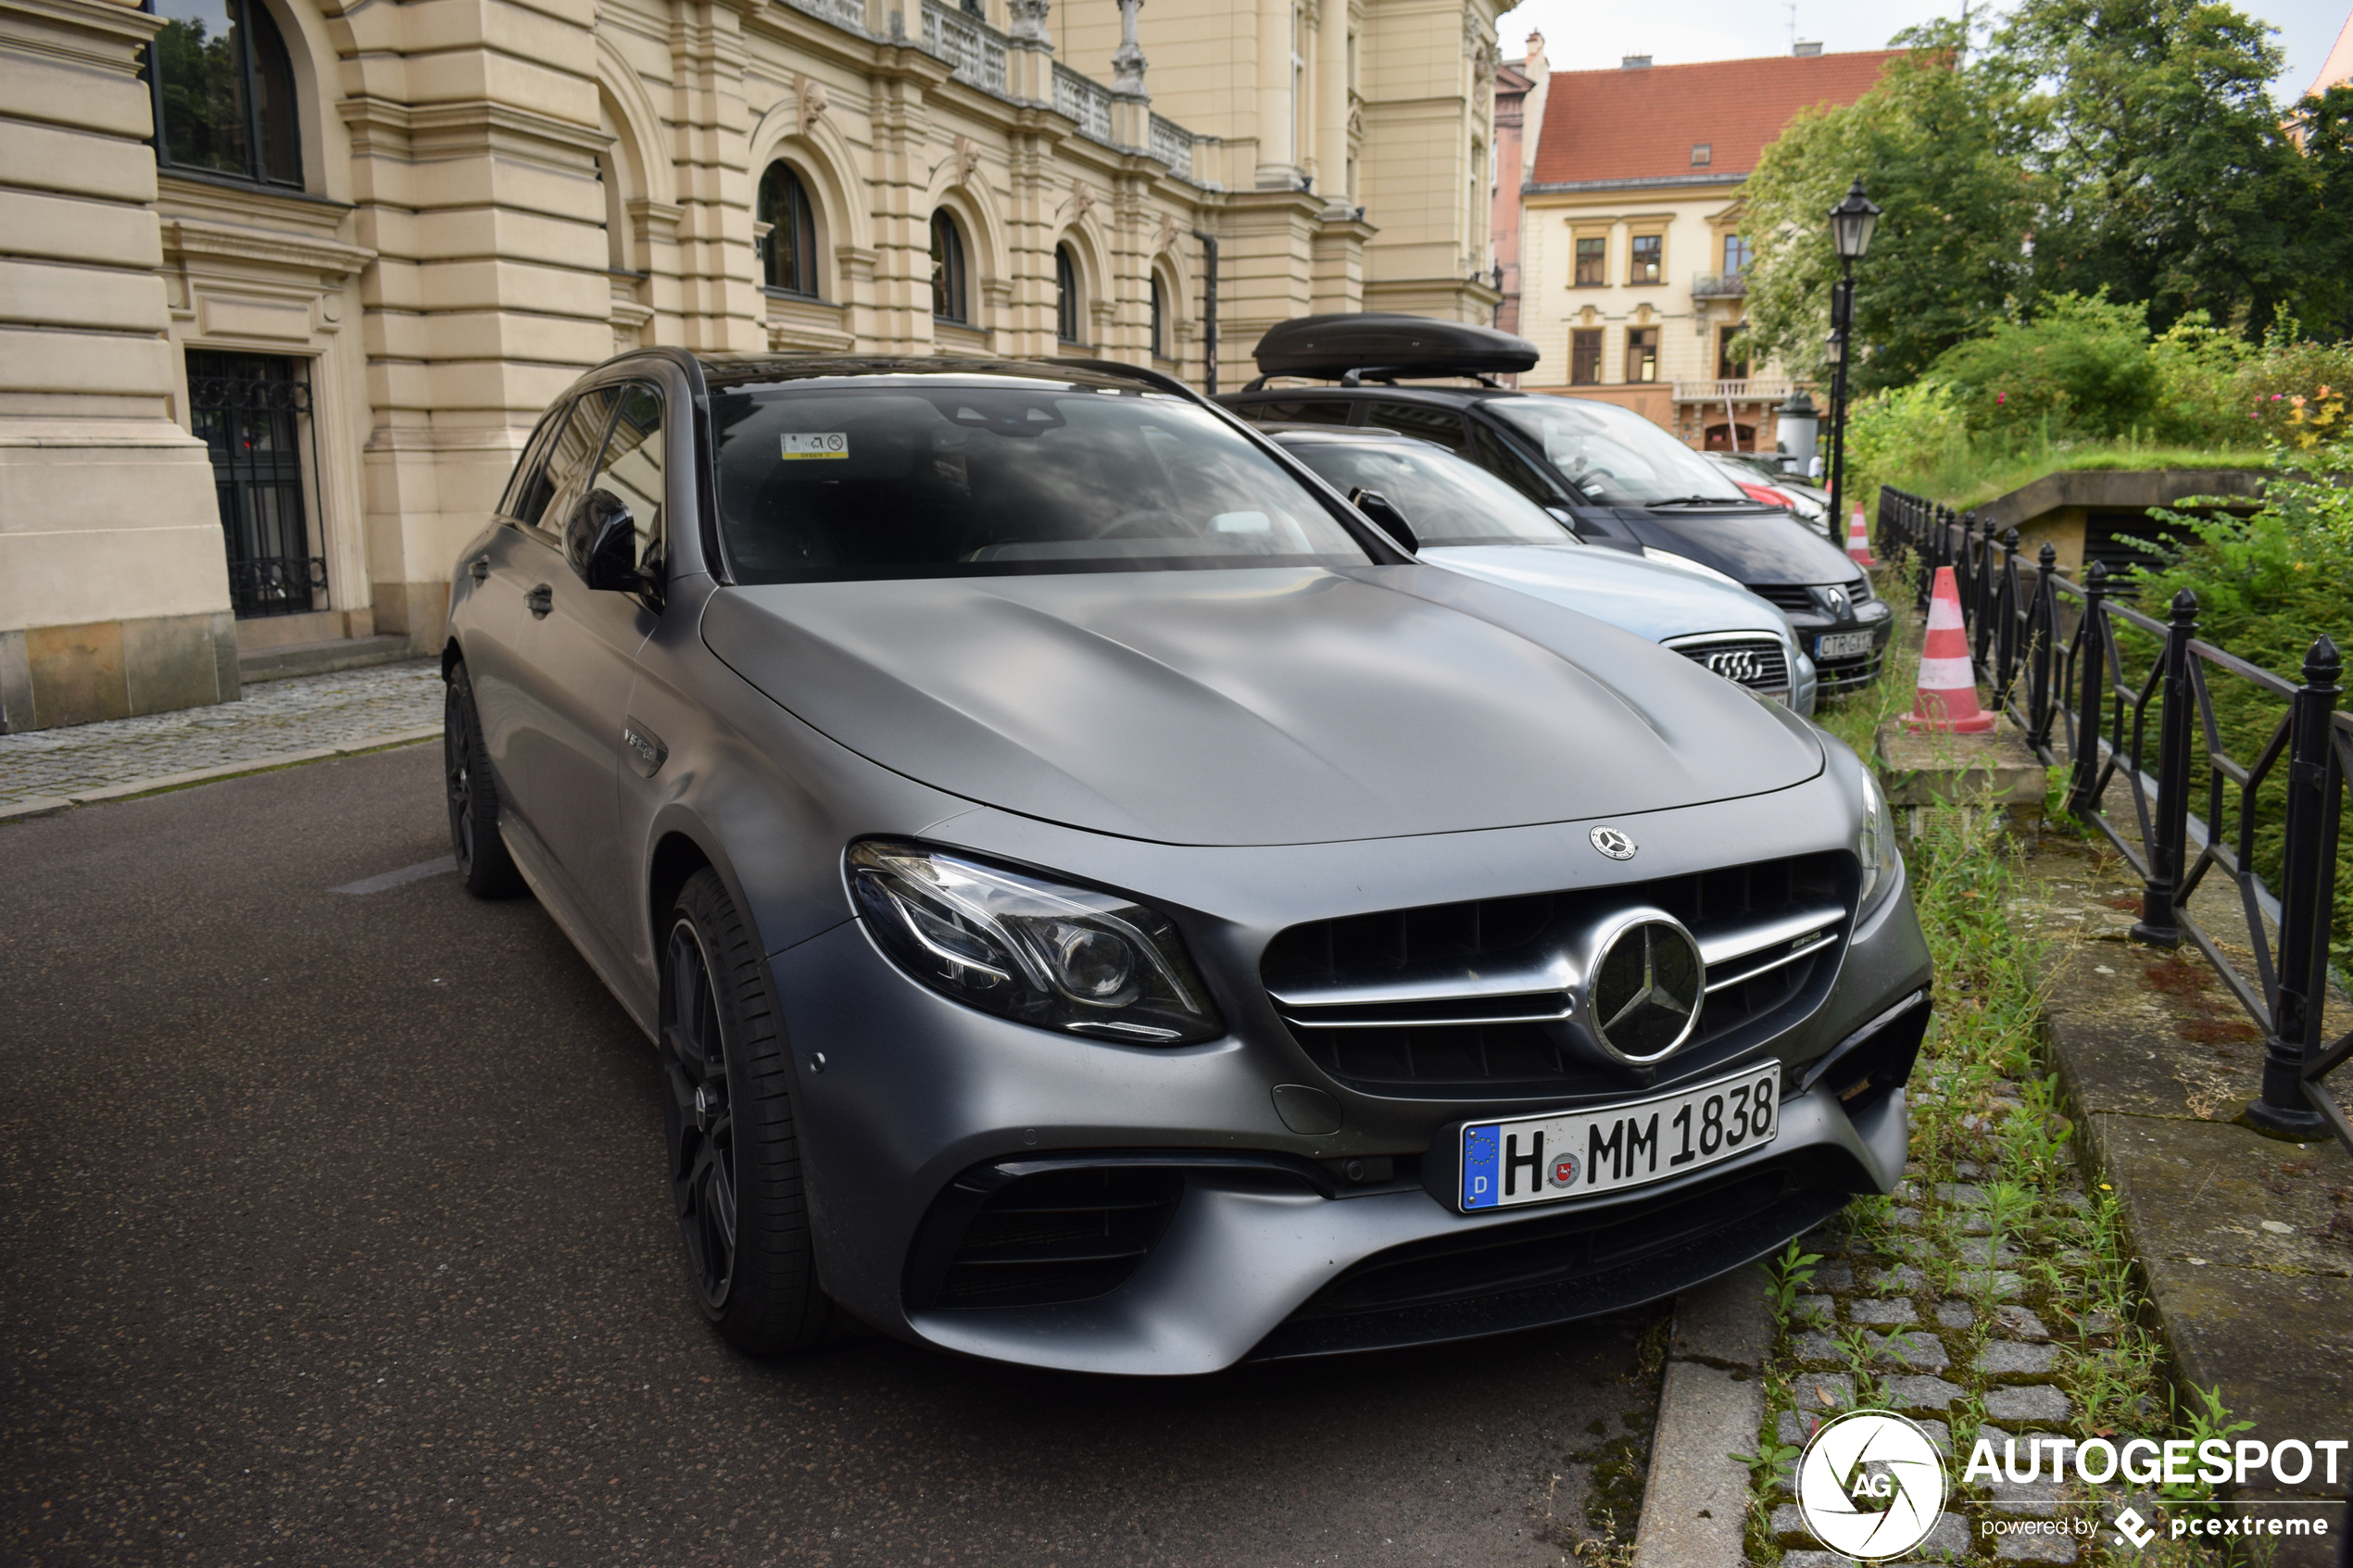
column 1101, row 902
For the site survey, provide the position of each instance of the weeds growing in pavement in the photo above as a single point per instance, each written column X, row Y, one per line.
column 1791, row 1272
column 1999, row 1209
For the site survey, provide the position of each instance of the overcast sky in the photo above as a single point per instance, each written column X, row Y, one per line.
column 1583, row 36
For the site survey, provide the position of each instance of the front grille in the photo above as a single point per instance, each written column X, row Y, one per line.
column 1472, row 1000
column 1845, row 675
column 1792, row 596
column 1059, row 1236
column 1537, row 1250
column 1761, row 663
column 1575, row 1263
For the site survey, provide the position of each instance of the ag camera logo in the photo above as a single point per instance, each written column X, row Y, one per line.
column 1870, row 1485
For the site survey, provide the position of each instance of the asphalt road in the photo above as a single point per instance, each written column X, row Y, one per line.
column 332, row 1230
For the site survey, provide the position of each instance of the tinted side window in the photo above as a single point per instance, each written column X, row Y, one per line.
column 1497, row 457
column 527, row 488
column 1304, row 411
column 571, row 458
column 1442, row 425
column 632, row 467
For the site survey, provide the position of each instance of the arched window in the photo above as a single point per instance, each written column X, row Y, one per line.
column 948, row 301
column 1160, row 320
column 224, row 93
column 789, row 250
column 1065, row 296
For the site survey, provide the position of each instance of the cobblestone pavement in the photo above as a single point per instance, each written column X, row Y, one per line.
column 302, row 714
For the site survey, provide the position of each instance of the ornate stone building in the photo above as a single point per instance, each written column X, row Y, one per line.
column 284, row 283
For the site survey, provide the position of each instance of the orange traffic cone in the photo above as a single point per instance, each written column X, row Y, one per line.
column 1859, row 539
column 1947, row 698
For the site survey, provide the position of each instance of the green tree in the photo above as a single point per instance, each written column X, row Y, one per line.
column 2323, row 124
column 1939, row 144
column 2170, row 176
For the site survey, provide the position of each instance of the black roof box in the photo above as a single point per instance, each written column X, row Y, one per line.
column 1328, row 346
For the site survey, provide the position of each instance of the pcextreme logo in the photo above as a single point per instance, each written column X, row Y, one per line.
column 1870, row 1485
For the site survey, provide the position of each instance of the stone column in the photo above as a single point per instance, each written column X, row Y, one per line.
column 114, row 583
column 474, row 135
column 719, row 275
column 1277, row 160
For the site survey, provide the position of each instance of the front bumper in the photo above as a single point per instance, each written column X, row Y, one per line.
column 1269, row 1250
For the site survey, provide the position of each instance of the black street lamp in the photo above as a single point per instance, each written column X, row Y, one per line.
column 1852, row 221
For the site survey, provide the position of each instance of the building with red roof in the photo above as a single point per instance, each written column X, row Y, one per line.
column 1631, row 258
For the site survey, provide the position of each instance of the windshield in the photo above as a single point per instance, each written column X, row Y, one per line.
column 1614, row 455
column 1446, row 500
column 830, row 483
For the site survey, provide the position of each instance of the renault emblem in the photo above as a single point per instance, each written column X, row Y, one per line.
column 1618, row 846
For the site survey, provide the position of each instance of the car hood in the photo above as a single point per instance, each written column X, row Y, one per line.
column 1755, row 547
column 1644, row 597
column 1260, row 706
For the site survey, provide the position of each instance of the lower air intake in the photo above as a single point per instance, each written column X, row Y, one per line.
column 1056, row 1236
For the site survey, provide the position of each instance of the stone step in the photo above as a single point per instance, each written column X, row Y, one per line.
column 321, row 658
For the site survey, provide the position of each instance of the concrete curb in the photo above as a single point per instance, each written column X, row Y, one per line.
column 1695, row 1506
column 44, row 806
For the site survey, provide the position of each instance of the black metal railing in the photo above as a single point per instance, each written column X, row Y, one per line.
column 2121, row 698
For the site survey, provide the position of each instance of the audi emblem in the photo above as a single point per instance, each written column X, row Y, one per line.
column 1735, row 664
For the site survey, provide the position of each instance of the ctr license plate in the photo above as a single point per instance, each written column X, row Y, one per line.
column 1841, row 644
column 1548, row 1159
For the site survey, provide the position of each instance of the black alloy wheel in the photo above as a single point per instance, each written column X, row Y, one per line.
column 702, row 1130
column 481, row 856
column 735, row 1155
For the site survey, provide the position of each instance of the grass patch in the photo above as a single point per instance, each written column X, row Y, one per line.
column 1969, row 475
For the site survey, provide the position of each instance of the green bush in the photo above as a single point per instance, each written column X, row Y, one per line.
column 2267, row 585
column 2283, row 391
column 2082, row 367
column 2199, row 367
column 1905, row 431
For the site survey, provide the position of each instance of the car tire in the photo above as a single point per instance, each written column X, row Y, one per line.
column 735, row 1154
column 481, row 856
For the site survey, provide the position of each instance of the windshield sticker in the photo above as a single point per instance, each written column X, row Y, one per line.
column 802, row 448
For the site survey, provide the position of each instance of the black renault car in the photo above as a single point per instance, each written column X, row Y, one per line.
column 1613, row 476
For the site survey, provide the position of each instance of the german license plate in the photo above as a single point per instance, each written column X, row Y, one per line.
column 1841, row 644
column 1549, row 1158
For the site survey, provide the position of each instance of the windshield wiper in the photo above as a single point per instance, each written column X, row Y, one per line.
column 1698, row 501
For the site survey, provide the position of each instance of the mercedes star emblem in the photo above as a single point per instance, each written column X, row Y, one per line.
column 1618, row 846
column 1646, row 996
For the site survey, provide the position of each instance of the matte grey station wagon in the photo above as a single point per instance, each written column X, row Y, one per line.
column 1100, row 902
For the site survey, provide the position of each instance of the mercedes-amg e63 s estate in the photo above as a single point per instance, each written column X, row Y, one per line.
column 1102, row 903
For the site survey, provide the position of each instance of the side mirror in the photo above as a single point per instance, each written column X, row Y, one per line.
column 600, row 540
column 1377, row 506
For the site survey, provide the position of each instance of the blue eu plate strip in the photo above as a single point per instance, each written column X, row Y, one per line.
column 1480, row 1168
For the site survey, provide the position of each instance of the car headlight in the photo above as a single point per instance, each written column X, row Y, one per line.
column 1875, row 842
column 1042, row 953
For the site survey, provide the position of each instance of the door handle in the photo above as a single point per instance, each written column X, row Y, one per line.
column 540, row 600
column 480, row 570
